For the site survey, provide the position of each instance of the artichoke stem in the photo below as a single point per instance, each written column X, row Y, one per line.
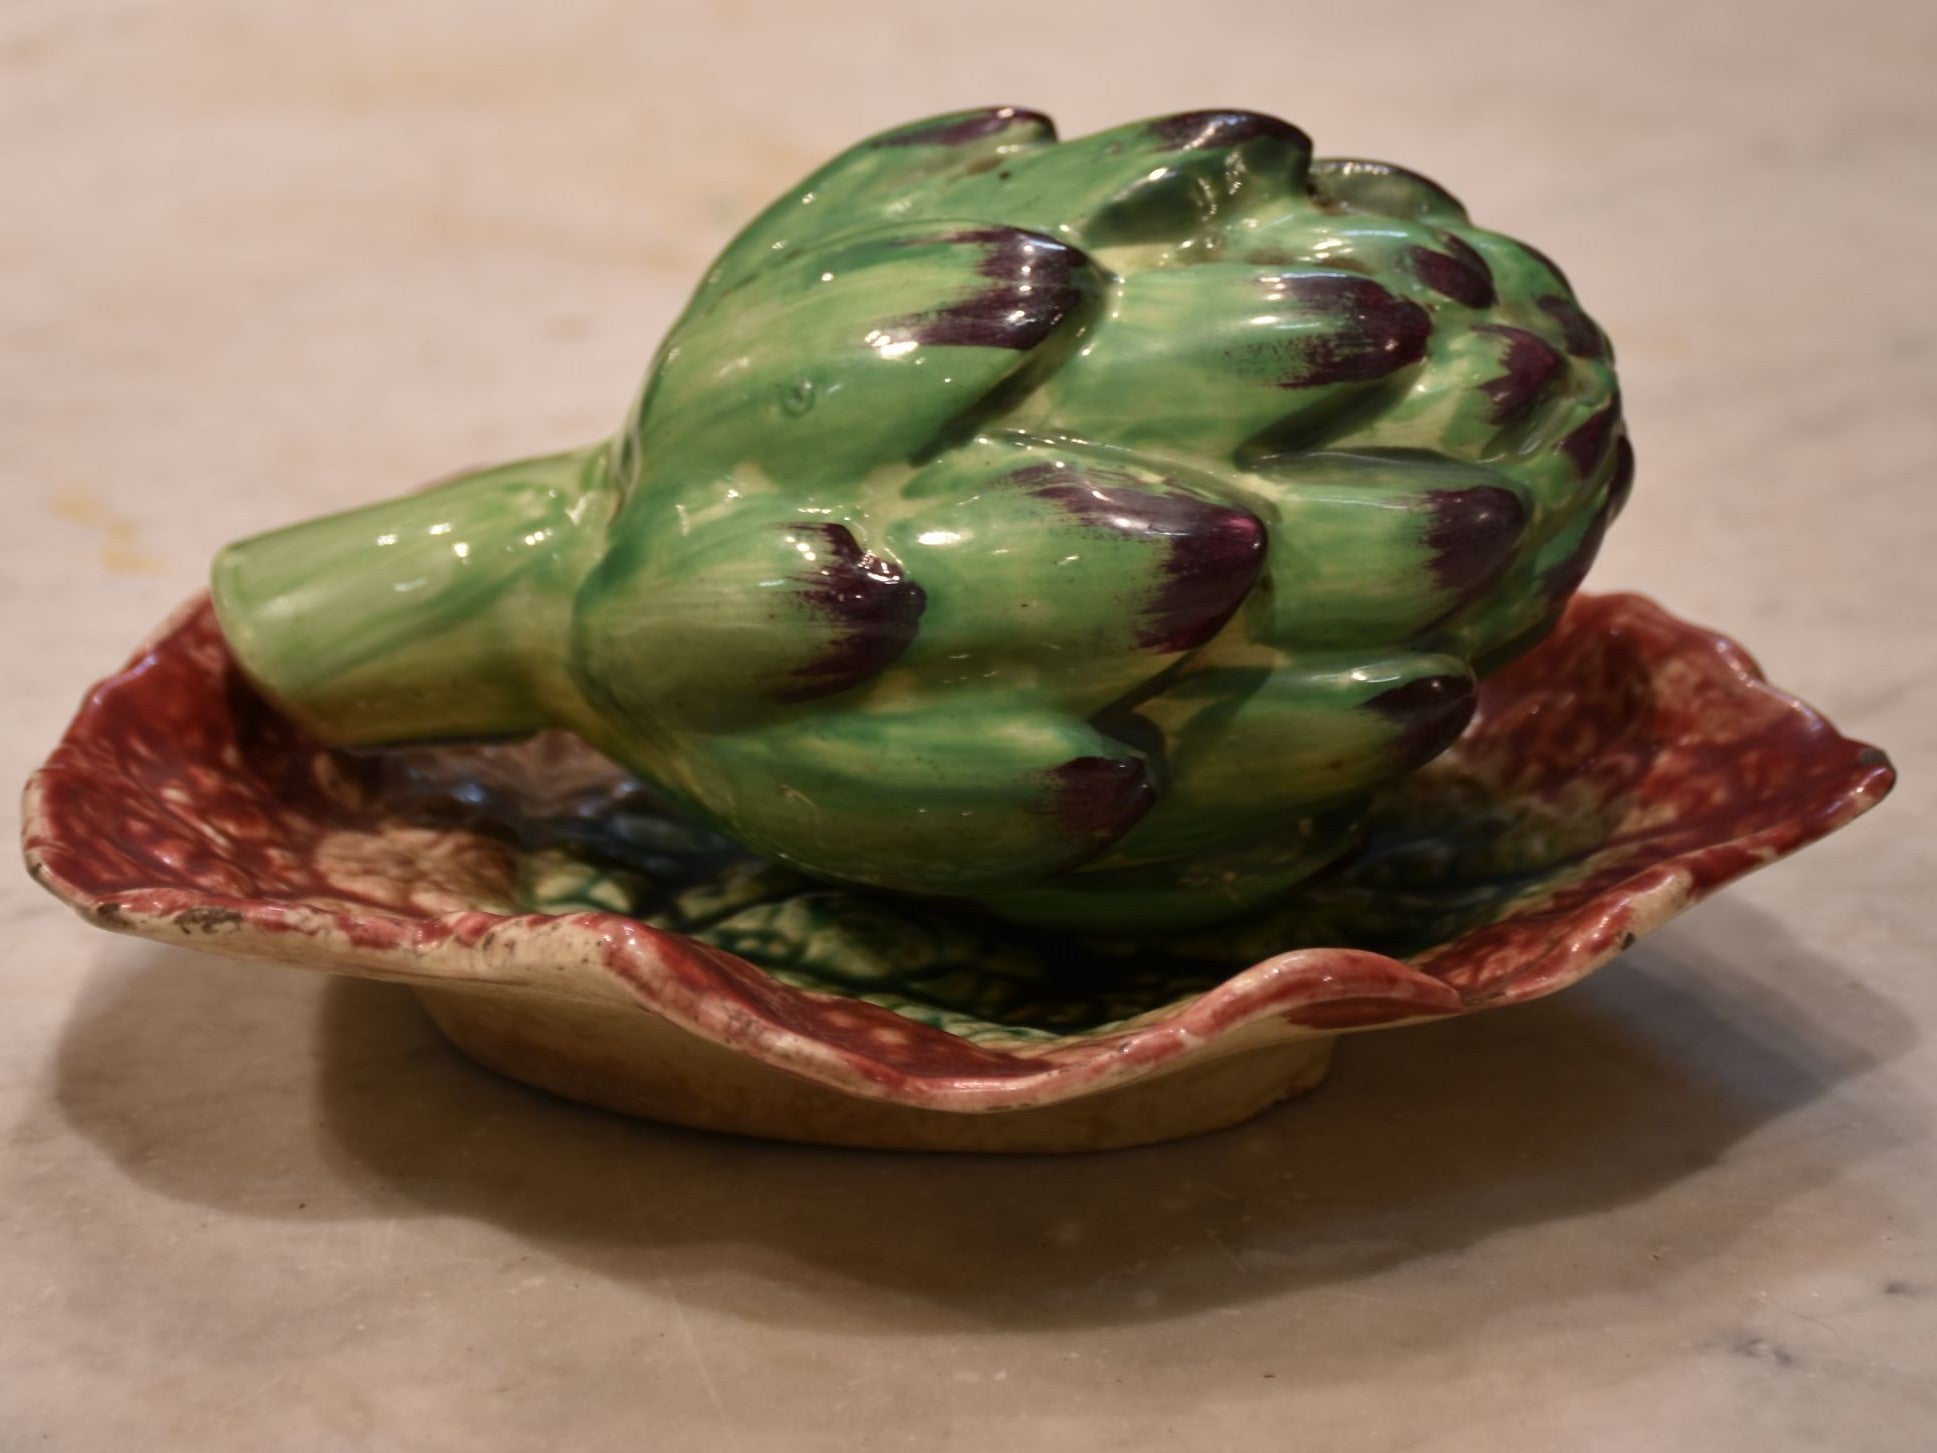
column 441, row 615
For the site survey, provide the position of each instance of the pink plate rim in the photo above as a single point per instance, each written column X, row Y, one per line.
column 870, row 1052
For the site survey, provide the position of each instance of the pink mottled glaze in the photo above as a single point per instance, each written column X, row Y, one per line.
column 181, row 808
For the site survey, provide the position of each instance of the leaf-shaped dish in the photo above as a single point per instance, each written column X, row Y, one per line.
column 561, row 928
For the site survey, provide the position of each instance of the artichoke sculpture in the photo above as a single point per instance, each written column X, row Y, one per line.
column 1085, row 529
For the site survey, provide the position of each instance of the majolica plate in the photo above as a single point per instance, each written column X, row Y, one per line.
column 560, row 926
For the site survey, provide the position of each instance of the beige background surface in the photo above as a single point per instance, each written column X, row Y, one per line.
column 258, row 260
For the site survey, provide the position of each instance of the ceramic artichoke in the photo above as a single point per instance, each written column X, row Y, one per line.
column 1081, row 528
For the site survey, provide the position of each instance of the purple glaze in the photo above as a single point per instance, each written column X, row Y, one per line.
column 1621, row 485
column 1577, row 330
column 1213, row 552
column 1429, row 714
column 1458, row 272
column 1562, row 579
column 1586, row 447
column 1547, row 262
column 1036, row 285
column 873, row 609
column 1472, row 534
column 1378, row 333
column 1207, row 575
column 1098, row 799
column 1203, row 130
column 972, row 126
column 1531, row 364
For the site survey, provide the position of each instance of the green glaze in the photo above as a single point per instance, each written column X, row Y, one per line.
column 1086, row 529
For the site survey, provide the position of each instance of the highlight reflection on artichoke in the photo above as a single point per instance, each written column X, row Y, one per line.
column 1084, row 528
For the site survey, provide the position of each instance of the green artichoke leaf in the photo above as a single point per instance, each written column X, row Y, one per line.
column 1385, row 190
column 988, row 793
column 744, row 613
column 1448, row 271
column 878, row 178
column 1164, row 182
column 1077, row 574
column 1371, row 547
column 1533, row 288
column 1484, row 393
column 1332, row 726
column 853, row 355
column 1219, row 353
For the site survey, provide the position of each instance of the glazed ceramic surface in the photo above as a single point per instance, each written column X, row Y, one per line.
column 564, row 926
column 1088, row 529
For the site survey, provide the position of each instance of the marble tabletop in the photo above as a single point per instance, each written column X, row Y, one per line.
column 263, row 260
